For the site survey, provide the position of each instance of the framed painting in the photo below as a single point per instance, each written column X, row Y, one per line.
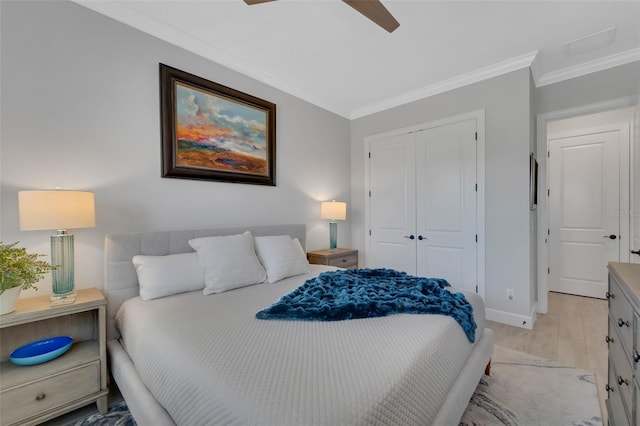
column 212, row 132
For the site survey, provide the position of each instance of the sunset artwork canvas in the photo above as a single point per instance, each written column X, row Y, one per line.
column 214, row 132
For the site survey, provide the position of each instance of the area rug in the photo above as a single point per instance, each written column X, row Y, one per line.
column 522, row 390
column 526, row 390
column 118, row 415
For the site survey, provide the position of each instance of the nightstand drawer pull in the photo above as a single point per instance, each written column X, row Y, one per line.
column 41, row 396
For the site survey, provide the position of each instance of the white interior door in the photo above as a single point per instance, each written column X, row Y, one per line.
column 584, row 183
column 392, row 205
column 446, row 204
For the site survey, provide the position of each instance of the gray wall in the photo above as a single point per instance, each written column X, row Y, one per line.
column 613, row 83
column 506, row 100
column 80, row 110
column 604, row 90
column 533, row 228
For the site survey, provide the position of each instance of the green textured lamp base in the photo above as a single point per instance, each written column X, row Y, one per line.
column 333, row 235
column 64, row 292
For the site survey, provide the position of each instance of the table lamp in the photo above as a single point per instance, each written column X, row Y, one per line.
column 333, row 210
column 59, row 210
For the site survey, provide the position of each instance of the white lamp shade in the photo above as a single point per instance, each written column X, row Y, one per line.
column 333, row 210
column 56, row 210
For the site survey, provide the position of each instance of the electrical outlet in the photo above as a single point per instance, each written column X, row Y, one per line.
column 510, row 294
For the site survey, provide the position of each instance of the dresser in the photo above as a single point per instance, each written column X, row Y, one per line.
column 32, row 394
column 340, row 257
column 623, row 339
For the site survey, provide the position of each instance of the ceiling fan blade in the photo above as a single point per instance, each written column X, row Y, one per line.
column 252, row 2
column 375, row 11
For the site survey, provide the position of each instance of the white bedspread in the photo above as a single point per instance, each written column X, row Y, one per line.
column 208, row 361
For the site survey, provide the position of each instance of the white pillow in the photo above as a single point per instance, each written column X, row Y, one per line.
column 160, row 276
column 281, row 256
column 229, row 262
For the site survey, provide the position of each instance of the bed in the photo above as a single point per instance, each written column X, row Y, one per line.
column 192, row 359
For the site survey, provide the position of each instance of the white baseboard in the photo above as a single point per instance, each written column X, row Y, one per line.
column 509, row 318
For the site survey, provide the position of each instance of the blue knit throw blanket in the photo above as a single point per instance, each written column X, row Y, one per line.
column 365, row 293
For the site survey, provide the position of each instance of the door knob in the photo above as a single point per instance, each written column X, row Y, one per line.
column 636, row 252
column 411, row 237
column 420, row 237
column 611, row 237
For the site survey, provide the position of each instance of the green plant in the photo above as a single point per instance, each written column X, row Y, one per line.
column 19, row 268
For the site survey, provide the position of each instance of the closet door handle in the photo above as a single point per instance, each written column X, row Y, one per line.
column 420, row 237
column 622, row 322
column 636, row 252
column 411, row 237
column 611, row 237
column 636, row 356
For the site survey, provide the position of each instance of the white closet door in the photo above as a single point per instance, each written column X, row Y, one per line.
column 392, row 204
column 584, row 224
column 446, row 204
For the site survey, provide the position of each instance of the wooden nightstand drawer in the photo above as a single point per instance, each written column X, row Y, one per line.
column 34, row 398
column 347, row 261
column 340, row 257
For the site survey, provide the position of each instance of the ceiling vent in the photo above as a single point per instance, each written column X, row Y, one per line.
column 590, row 42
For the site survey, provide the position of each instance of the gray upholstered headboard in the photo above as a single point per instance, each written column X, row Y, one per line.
column 120, row 278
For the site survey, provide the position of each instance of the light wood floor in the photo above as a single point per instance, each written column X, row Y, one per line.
column 572, row 333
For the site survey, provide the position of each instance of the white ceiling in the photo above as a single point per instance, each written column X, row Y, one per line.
column 325, row 52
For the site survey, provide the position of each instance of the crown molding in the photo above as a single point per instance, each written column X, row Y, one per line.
column 589, row 67
column 131, row 17
column 127, row 15
column 466, row 79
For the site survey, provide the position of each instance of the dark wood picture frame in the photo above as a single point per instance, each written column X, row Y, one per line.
column 212, row 132
column 533, row 182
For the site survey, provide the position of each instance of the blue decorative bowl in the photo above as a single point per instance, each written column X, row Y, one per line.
column 41, row 351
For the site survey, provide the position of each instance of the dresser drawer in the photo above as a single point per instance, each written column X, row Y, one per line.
column 346, row 261
column 34, row 398
column 624, row 372
column 635, row 354
column 616, row 410
column 621, row 313
column 637, row 398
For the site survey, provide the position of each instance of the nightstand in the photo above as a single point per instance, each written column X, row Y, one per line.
column 341, row 257
column 32, row 394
